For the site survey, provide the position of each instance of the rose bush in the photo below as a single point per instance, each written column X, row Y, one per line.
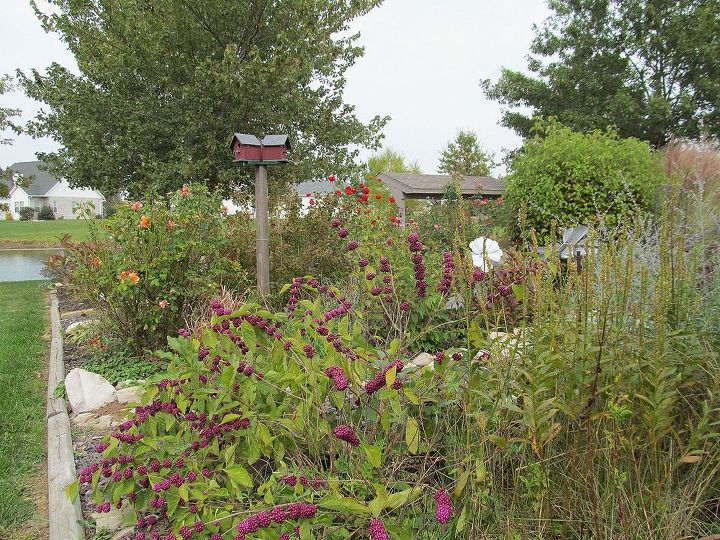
column 146, row 266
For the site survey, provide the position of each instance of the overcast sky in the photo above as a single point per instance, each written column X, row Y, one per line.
column 422, row 66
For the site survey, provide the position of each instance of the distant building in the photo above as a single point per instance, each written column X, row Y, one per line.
column 304, row 190
column 405, row 186
column 43, row 189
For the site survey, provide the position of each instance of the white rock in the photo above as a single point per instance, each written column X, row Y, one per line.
column 74, row 327
column 111, row 520
column 87, row 391
column 422, row 359
column 131, row 394
column 129, row 382
column 105, row 421
column 85, row 419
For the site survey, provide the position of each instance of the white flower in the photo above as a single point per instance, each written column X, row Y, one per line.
column 484, row 249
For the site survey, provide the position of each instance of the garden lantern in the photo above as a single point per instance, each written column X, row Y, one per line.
column 270, row 150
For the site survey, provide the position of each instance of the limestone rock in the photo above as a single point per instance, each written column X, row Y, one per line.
column 422, row 359
column 87, row 391
column 79, row 325
column 112, row 520
column 129, row 382
column 131, row 394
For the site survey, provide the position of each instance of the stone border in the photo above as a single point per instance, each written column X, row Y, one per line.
column 65, row 517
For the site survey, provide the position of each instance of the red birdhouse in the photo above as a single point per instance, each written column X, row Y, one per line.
column 271, row 150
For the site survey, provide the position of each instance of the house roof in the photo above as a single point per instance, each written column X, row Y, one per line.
column 268, row 140
column 40, row 180
column 315, row 186
column 433, row 184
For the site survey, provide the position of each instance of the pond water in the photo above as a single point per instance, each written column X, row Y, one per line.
column 23, row 264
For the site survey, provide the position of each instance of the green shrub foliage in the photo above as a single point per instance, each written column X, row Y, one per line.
column 580, row 178
column 46, row 213
column 594, row 413
column 26, row 213
column 150, row 263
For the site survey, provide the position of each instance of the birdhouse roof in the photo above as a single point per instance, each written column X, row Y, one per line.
column 244, row 138
column 276, row 140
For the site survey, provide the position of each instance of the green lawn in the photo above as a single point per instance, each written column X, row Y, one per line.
column 23, row 323
column 40, row 232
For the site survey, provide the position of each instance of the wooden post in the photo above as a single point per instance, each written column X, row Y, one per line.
column 262, row 230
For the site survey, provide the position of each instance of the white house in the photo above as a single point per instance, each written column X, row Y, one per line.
column 43, row 189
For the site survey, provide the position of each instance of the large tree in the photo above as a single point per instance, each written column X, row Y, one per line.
column 465, row 156
column 164, row 84
column 649, row 67
column 390, row 160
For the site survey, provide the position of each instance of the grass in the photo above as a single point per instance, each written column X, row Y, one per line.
column 23, row 323
column 40, row 233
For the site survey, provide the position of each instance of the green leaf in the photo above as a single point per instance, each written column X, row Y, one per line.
column 374, row 455
column 344, row 504
column 239, row 474
column 229, row 418
column 390, row 375
column 73, row 490
column 396, row 500
column 412, row 396
column 412, row 435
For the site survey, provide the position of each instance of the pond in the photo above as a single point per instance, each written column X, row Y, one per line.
column 23, row 264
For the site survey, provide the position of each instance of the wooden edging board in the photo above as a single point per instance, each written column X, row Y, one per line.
column 65, row 517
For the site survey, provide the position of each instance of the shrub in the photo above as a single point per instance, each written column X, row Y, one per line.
column 147, row 266
column 26, row 213
column 46, row 213
column 599, row 416
column 8, row 216
column 580, row 178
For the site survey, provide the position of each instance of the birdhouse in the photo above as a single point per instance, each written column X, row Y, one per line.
column 271, row 150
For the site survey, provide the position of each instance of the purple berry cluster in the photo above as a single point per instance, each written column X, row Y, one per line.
column 278, row 514
column 448, row 267
column 293, row 480
column 443, row 507
column 294, row 294
column 347, row 434
column 338, row 377
column 416, row 247
column 378, row 382
column 377, row 530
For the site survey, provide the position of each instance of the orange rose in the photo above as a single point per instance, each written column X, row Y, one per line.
column 185, row 190
column 137, row 205
column 144, row 222
column 96, row 262
column 134, row 278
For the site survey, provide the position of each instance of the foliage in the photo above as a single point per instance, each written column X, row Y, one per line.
column 580, row 178
column 145, row 268
column 8, row 215
column 643, row 67
column 46, row 214
column 26, row 213
column 298, row 241
column 390, row 160
column 5, row 115
column 464, row 156
column 119, row 366
column 23, row 324
column 596, row 415
column 162, row 86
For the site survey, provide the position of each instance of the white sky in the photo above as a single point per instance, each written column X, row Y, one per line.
column 422, row 66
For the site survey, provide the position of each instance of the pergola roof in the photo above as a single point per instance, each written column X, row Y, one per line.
column 419, row 185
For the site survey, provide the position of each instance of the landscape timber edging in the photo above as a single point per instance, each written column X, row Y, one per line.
column 64, row 516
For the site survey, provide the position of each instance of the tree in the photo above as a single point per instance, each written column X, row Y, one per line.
column 164, row 84
column 465, row 156
column 5, row 113
column 579, row 178
column 391, row 161
column 650, row 68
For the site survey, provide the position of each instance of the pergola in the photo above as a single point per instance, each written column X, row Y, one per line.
column 404, row 186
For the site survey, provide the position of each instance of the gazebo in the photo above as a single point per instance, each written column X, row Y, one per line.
column 405, row 186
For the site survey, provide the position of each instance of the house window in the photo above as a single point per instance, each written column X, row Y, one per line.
column 54, row 207
column 18, row 206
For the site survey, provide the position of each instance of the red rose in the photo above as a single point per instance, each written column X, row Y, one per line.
column 392, row 199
